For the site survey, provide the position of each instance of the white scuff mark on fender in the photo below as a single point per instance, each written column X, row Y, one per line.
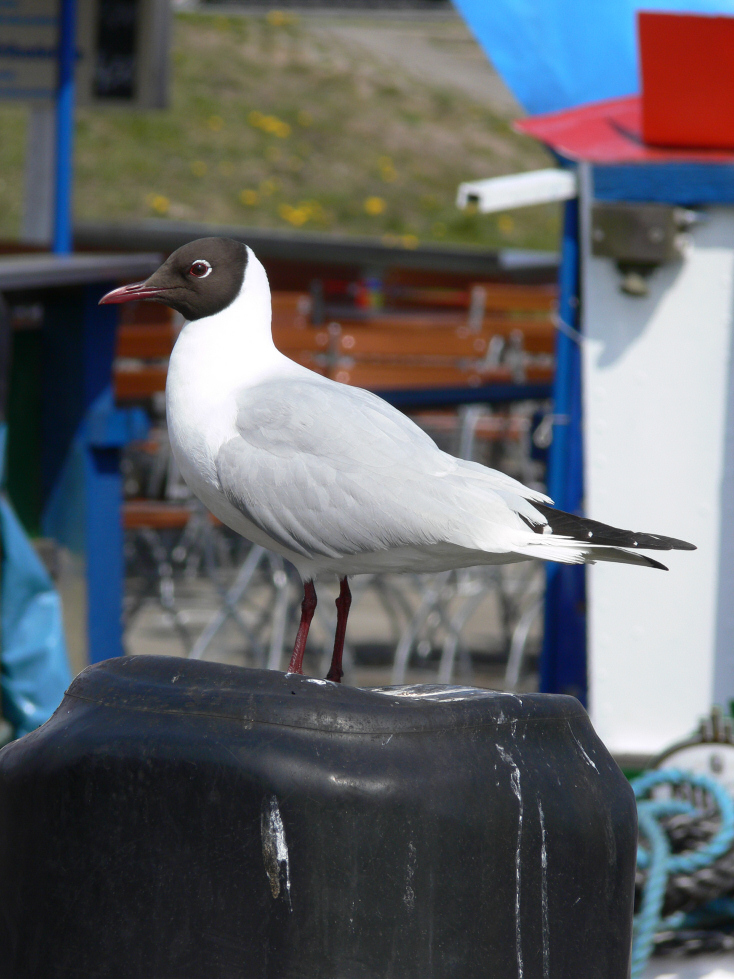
column 275, row 849
column 515, row 785
column 581, row 748
column 544, row 894
column 409, row 896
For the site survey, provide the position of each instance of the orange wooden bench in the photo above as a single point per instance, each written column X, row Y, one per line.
column 455, row 356
column 392, row 376
column 436, row 337
column 293, row 336
column 145, row 339
column 498, row 297
column 487, row 428
column 154, row 513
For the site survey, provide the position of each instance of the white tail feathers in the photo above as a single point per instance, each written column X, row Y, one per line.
column 548, row 547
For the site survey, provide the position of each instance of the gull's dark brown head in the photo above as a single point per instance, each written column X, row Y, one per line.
column 199, row 279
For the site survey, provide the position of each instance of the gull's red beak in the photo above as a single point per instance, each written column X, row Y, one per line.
column 136, row 290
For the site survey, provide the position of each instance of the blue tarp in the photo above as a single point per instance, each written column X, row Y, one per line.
column 35, row 670
column 555, row 54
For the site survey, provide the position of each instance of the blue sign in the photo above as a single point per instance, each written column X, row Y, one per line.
column 29, row 39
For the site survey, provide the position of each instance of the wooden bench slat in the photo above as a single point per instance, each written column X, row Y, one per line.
column 488, row 428
column 287, row 338
column 145, row 341
column 136, row 385
column 498, row 296
column 157, row 514
column 391, row 375
column 409, row 343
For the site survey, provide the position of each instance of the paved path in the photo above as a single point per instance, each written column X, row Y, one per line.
column 442, row 53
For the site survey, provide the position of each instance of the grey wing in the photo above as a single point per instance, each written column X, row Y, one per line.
column 332, row 471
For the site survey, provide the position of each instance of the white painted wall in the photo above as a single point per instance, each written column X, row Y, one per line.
column 659, row 457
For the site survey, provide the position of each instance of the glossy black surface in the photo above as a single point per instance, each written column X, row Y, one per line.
column 186, row 820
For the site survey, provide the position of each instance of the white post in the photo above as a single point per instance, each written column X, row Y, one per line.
column 38, row 211
column 659, row 457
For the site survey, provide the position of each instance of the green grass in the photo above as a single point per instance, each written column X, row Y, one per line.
column 271, row 126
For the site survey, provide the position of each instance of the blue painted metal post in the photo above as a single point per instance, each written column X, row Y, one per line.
column 104, row 437
column 563, row 659
column 82, row 438
column 62, row 240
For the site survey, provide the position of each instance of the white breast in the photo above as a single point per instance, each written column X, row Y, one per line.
column 213, row 359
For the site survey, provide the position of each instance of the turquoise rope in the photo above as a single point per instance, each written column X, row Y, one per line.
column 659, row 861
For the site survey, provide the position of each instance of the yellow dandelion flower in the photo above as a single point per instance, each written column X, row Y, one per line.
column 294, row 215
column 276, row 126
column 506, row 224
column 249, row 197
column 278, row 18
column 409, row 241
column 198, row 168
column 374, row 206
column 215, row 123
column 269, row 186
column 158, row 203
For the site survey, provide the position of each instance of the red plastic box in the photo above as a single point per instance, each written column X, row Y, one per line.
column 687, row 67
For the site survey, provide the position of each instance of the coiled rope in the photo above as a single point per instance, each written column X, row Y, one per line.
column 657, row 857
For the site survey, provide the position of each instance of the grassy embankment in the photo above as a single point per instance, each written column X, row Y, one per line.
column 271, row 125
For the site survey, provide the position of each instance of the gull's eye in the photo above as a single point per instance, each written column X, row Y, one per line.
column 200, row 268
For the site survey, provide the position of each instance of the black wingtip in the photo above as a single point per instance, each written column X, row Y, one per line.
column 652, row 563
column 592, row 531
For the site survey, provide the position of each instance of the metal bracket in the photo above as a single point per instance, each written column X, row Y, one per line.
column 635, row 233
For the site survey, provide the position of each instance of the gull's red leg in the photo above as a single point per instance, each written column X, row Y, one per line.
column 308, row 607
column 342, row 612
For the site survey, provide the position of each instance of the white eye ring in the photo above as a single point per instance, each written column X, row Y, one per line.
column 202, row 275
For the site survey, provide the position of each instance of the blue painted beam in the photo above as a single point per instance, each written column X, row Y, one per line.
column 686, row 184
column 83, row 433
column 406, row 398
column 563, row 658
column 64, row 177
column 102, row 482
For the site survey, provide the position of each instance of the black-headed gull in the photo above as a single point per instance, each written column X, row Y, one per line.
column 329, row 476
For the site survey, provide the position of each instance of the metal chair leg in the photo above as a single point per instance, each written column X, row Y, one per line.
column 228, row 610
column 519, row 641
